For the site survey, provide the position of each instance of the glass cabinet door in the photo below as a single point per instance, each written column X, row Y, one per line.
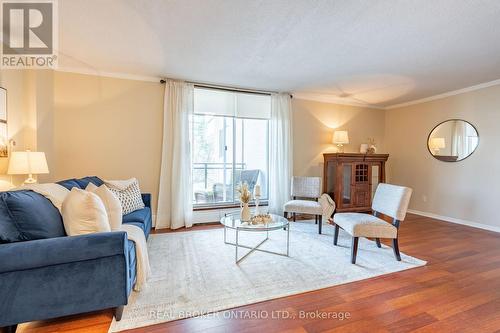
column 346, row 185
column 331, row 171
column 375, row 178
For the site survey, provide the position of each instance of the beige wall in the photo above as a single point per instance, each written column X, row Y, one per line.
column 104, row 126
column 21, row 114
column 43, row 99
column 86, row 125
column 313, row 126
column 468, row 190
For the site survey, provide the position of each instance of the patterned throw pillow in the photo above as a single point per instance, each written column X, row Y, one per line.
column 128, row 193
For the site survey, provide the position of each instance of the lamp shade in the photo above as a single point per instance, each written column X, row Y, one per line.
column 27, row 162
column 437, row 143
column 340, row 137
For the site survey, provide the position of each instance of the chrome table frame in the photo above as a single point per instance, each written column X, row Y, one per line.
column 256, row 247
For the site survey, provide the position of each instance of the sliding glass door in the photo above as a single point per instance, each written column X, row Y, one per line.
column 227, row 147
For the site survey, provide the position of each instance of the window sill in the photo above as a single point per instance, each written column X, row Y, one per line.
column 228, row 206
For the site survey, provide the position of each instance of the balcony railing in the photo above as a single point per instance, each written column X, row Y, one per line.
column 214, row 183
column 206, row 167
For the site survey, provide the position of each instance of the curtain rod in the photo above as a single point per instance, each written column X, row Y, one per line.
column 226, row 88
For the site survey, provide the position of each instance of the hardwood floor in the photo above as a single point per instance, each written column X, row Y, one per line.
column 458, row 291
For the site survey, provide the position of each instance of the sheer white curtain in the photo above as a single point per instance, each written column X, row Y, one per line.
column 281, row 152
column 175, row 206
column 459, row 140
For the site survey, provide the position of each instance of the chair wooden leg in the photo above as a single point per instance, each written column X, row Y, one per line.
column 377, row 240
column 336, row 235
column 320, row 224
column 9, row 329
column 294, row 217
column 354, row 249
column 315, row 219
column 118, row 312
column 395, row 247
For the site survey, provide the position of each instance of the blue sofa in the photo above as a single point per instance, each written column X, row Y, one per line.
column 46, row 274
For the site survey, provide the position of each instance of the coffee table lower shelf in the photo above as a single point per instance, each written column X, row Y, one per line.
column 252, row 249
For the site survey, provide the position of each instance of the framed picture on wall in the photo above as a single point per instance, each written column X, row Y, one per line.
column 4, row 151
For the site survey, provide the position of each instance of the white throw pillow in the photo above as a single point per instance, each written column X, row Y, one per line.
column 83, row 212
column 128, row 193
column 91, row 187
column 111, row 203
column 54, row 192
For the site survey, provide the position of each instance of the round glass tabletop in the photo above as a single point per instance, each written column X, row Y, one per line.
column 233, row 221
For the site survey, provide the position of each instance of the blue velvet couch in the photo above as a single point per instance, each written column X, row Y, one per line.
column 46, row 274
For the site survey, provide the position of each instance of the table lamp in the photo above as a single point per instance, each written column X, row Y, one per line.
column 340, row 138
column 27, row 163
column 436, row 144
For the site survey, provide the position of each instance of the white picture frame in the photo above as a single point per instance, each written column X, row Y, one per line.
column 3, row 104
column 4, row 139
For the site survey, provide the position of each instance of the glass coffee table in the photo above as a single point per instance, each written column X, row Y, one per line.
column 233, row 222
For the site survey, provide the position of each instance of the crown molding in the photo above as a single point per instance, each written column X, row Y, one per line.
column 115, row 75
column 326, row 98
column 446, row 94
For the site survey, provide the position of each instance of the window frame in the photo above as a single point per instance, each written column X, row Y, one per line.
column 235, row 202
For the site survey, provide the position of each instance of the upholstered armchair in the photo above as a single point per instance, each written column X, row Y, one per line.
column 390, row 200
column 305, row 194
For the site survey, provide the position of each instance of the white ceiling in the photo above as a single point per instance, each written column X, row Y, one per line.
column 379, row 53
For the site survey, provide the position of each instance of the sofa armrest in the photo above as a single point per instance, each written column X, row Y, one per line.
column 54, row 251
column 146, row 198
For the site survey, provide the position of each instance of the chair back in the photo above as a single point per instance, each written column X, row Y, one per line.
column 306, row 187
column 247, row 176
column 392, row 200
column 244, row 176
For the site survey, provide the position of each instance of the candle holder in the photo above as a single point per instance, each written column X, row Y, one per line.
column 257, row 199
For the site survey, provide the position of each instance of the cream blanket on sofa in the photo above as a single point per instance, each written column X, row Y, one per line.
column 57, row 193
column 135, row 234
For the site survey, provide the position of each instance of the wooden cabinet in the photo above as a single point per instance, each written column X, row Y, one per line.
column 351, row 179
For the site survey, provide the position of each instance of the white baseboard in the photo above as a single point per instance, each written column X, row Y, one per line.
column 206, row 216
column 455, row 220
column 212, row 215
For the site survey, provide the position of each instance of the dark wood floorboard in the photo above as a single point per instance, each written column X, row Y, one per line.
column 458, row 291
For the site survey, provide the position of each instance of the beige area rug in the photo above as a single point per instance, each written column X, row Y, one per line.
column 194, row 272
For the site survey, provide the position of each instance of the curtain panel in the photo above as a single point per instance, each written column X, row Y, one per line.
column 280, row 151
column 175, row 206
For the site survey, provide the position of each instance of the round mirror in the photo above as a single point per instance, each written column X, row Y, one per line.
column 453, row 140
